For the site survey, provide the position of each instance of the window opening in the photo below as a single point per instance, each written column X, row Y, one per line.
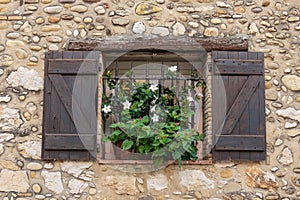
column 172, row 84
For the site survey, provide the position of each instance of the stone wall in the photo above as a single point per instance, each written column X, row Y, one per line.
column 27, row 31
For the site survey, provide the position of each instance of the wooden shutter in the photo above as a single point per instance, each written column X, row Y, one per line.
column 238, row 106
column 70, row 105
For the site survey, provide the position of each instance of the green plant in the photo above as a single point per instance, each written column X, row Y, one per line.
column 153, row 119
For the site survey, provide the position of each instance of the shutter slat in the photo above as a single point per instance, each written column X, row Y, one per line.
column 72, row 66
column 69, row 142
column 70, row 119
column 241, row 142
column 239, row 129
column 238, row 67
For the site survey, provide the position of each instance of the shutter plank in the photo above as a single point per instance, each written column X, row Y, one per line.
column 69, row 141
column 262, row 117
column 241, row 142
column 235, row 155
column 244, row 121
column 254, row 118
column 67, row 125
column 232, row 90
column 72, row 66
column 229, row 66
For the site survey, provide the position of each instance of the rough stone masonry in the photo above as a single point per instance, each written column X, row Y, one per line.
column 26, row 32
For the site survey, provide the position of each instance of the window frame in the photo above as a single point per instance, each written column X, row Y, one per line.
column 103, row 146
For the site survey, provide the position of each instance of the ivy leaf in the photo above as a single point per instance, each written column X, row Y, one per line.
column 113, row 126
column 147, row 148
column 142, row 134
column 127, row 144
column 145, row 119
column 141, row 149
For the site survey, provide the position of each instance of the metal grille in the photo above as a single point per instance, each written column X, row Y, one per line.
column 152, row 67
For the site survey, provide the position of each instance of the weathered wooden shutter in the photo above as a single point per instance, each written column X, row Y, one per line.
column 238, row 106
column 70, row 105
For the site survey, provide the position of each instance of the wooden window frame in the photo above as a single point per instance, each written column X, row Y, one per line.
column 143, row 55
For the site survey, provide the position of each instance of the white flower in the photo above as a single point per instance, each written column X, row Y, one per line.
column 153, row 109
column 126, row 105
column 155, row 118
column 106, row 109
column 153, row 87
column 172, row 68
column 190, row 99
column 155, row 98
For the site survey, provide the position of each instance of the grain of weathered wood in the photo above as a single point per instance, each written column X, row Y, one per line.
column 72, row 66
column 177, row 44
column 63, row 91
column 235, row 83
column 69, row 141
column 233, row 88
column 81, row 155
column 241, row 142
column 244, row 122
column 254, row 116
column 227, row 66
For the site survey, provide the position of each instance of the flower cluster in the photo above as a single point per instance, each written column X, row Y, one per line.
column 153, row 119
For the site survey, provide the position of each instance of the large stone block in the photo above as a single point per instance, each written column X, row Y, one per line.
column 16, row 181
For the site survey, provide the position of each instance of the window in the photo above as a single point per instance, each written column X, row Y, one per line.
column 153, row 100
column 233, row 103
